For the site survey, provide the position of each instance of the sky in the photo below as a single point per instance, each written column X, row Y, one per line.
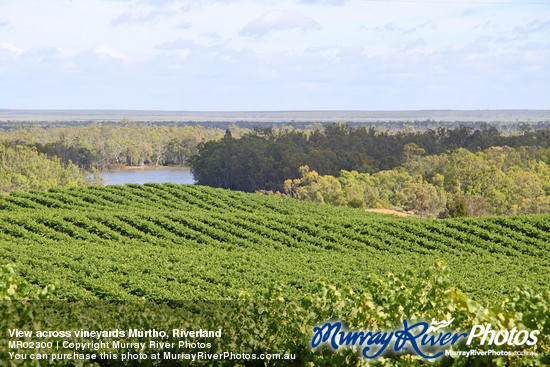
column 267, row 55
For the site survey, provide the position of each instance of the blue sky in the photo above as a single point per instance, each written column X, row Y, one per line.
column 217, row 55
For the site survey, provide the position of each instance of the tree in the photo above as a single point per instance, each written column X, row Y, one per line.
column 23, row 168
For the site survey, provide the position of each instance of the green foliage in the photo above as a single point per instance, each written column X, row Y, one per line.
column 19, row 309
column 457, row 209
column 23, row 168
column 355, row 203
column 264, row 256
column 274, row 324
column 126, row 143
column 396, row 188
column 165, row 242
column 499, row 180
column 265, row 158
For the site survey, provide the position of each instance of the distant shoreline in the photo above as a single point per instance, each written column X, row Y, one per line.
column 14, row 115
column 147, row 168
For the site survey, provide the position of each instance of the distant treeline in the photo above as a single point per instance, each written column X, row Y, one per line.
column 506, row 127
column 250, row 159
column 124, row 144
column 266, row 157
column 41, row 157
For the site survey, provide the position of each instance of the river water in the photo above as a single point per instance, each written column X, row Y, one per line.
column 141, row 175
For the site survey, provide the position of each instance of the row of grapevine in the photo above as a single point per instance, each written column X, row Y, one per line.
column 167, row 241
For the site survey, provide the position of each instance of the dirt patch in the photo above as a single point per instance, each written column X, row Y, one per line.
column 389, row 211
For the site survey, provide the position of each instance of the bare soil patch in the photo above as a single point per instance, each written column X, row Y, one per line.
column 389, row 211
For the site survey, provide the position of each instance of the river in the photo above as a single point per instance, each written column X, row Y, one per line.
column 141, row 175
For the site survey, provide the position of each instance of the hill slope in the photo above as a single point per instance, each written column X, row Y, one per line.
column 191, row 242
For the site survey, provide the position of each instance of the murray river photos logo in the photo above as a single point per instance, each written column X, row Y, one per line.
column 425, row 340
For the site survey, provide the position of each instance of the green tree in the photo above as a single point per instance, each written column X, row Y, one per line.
column 23, row 168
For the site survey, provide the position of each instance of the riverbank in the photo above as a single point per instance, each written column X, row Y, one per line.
column 144, row 167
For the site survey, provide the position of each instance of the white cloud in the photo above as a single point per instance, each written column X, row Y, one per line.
column 143, row 16
column 404, row 29
column 150, row 11
column 247, row 54
column 179, row 44
column 11, row 48
column 325, row 2
column 535, row 26
column 279, row 20
column 184, row 24
column 103, row 50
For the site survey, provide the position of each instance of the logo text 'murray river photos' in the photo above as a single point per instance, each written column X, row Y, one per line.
column 423, row 338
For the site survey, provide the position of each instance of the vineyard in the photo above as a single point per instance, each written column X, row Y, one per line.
column 188, row 242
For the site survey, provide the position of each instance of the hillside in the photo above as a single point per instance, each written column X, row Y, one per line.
column 191, row 242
